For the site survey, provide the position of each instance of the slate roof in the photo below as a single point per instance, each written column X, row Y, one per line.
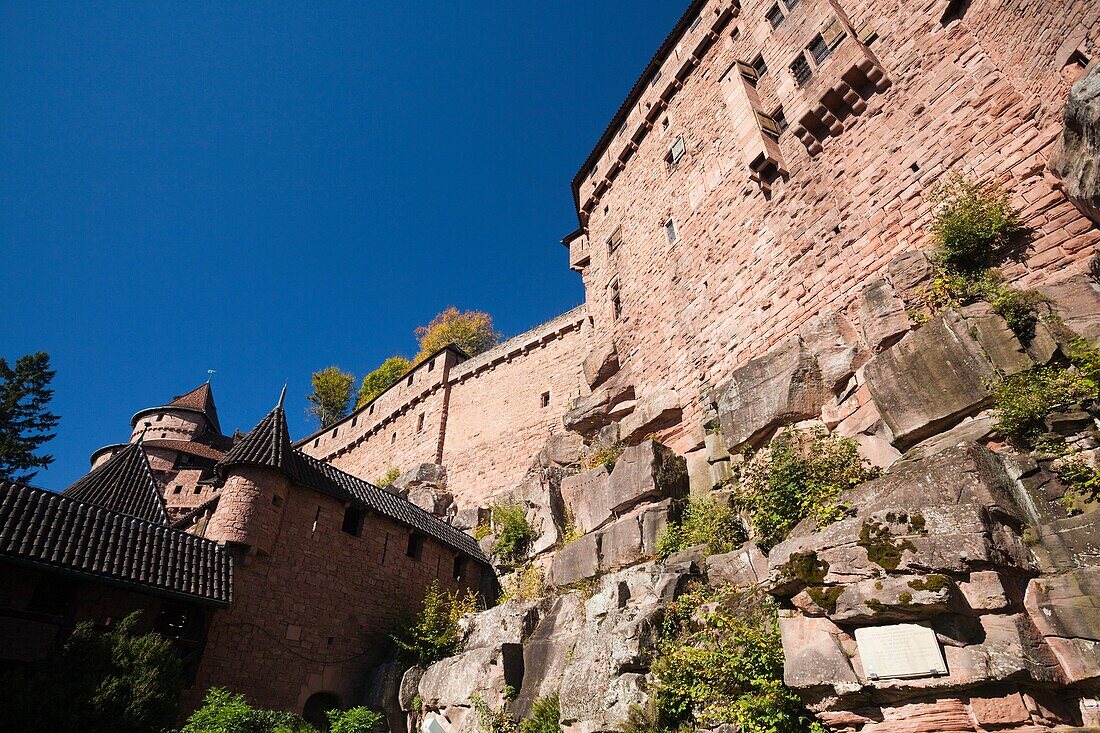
column 125, row 485
column 58, row 532
column 190, row 447
column 200, row 400
column 269, row 445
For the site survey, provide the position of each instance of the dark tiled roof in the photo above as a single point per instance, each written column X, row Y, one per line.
column 269, row 445
column 124, row 484
column 187, row 446
column 695, row 7
column 58, row 532
column 202, row 399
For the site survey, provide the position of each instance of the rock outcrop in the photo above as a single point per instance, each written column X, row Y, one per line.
column 1077, row 161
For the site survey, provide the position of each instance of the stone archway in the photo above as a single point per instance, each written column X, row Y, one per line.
column 317, row 707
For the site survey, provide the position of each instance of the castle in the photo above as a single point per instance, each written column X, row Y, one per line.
column 749, row 234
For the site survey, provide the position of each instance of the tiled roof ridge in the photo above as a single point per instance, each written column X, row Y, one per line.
column 200, row 400
column 123, row 484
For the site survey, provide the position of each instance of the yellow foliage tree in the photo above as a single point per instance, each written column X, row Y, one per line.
column 471, row 331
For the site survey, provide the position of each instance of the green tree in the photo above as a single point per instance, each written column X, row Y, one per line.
column 332, row 393
column 225, row 712
column 382, row 378
column 471, row 331
column 434, row 633
column 25, row 423
column 117, row 681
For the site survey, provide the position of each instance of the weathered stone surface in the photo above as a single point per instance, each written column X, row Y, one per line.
column 909, row 273
column 1066, row 610
column 561, row 450
column 882, row 317
column 893, row 598
column 410, row 688
column 511, row 622
column 833, row 341
column 583, row 494
column 1077, row 161
column 812, row 653
column 930, row 379
column 655, row 409
column 998, row 341
column 741, row 568
column 633, row 538
column 1077, row 302
column 484, row 671
column 576, row 561
column 540, row 492
column 984, row 592
column 548, row 651
column 783, row 386
column 422, row 474
column 467, row 518
column 597, row 410
column 601, row 362
column 432, row 500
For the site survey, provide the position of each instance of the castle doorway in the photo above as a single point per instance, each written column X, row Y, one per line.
column 317, row 707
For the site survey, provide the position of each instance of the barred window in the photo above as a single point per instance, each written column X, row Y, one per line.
column 800, row 69
column 819, row 49
column 775, row 16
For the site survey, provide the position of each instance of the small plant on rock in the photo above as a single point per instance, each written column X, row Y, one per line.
column 975, row 224
column 545, row 716
column 800, row 474
column 356, row 720
column 1082, row 481
column 494, row 721
column 602, row 454
column 514, row 533
column 434, row 633
column 525, row 584
column 389, row 477
column 704, row 523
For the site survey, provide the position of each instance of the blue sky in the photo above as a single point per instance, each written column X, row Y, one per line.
column 268, row 188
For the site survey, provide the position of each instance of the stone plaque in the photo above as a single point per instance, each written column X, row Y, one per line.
column 432, row 724
column 900, row 651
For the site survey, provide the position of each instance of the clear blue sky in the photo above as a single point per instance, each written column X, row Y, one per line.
column 268, row 188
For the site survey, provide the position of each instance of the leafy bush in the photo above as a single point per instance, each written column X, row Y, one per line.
column 800, row 474
column 225, row 712
column 471, row 331
column 382, row 378
column 602, row 454
column 356, row 720
column 494, row 721
column 514, row 533
column 525, row 584
column 545, row 716
column 1023, row 401
column 704, row 522
column 974, row 224
column 721, row 666
column 112, row 680
column 1020, row 308
column 434, row 633
column 389, row 477
column 1083, row 482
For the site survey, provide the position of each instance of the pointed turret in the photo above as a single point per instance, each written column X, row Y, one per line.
column 267, row 445
column 123, row 484
column 202, row 399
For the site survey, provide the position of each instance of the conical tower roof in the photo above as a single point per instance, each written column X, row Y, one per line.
column 267, row 445
column 201, row 398
column 124, row 484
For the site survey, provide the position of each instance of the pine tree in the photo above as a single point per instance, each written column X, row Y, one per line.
column 25, row 423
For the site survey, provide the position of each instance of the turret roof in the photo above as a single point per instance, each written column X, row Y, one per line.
column 200, row 400
column 124, row 484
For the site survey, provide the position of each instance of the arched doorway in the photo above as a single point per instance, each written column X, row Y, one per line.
column 317, row 707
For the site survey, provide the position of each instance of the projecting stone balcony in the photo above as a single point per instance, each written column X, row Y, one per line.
column 579, row 255
column 838, row 90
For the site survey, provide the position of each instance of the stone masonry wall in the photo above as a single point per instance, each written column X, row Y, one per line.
column 755, row 259
column 311, row 614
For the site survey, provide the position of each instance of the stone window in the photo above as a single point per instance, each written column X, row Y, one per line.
column 819, row 49
column 670, row 231
column 420, row 423
column 780, row 119
column 353, row 521
column 393, row 438
column 955, row 10
column 371, row 410
column 800, row 70
column 545, row 400
column 735, row 33
column 160, row 417
column 656, row 78
column 354, row 420
column 276, row 501
column 775, row 16
column 758, row 66
column 177, row 490
column 664, row 123
column 675, row 153
column 767, row 124
column 616, row 300
column 832, row 33
column 615, row 240
column 431, row 365
column 198, row 490
column 410, row 383
column 459, row 570
column 317, row 441
column 415, row 549
column 335, row 432
column 791, row 3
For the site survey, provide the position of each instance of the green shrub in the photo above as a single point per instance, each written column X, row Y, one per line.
column 389, row 477
column 704, row 522
column 1082, row 482
column 525, row 584
column 514, row 533
column 356, row 720
column 602, row 454
column 434, row 633
column 1023, row 401
column 225, row 712
column 721, row 666
column 1021, row 309
column 974, row 224
column 545, row 716
column 800, row 474
column 97, row 680
column 494, row 721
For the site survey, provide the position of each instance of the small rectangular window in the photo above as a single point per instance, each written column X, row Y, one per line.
column 819, row 49
column 775, row 16
column 353, row 521
column 676, row 153
column 616, row 301
column 833, row 33
column 759, row 66
column 800, row 70
column 276, row 501
column 354, row 420
column 545, row 401
column 670, row 231
column 780, row 120
column 420, row 423
column 177, row 490
column 615, row 240
column 316, row 442
column 459, row 571
column 415, row 549
column 656, row 78
column 371, row 410
column 393, row 438
column 767, row 124
column 410, row 380
column 695, row 23
column 198, row 490
column 431, row 365
column 790, row 4
column 335, row 432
